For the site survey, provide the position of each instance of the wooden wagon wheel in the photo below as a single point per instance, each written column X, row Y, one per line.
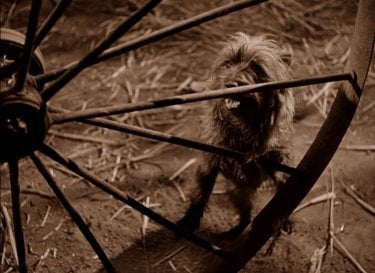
column 25, row 118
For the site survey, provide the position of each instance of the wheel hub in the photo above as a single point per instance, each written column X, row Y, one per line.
column 23, row 121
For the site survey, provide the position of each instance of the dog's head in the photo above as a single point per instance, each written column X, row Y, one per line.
column 246, row 60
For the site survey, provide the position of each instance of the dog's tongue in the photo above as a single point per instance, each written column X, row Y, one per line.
column 232, row 104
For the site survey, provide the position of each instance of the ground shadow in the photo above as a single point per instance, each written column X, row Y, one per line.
column 163, row 252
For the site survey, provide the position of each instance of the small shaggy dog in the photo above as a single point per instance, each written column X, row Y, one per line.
column 258, row 124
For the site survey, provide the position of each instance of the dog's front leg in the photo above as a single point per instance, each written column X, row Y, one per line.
column 205, row 177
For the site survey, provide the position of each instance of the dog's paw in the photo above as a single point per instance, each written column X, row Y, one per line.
column 189, row 223
column 287, row 227
column 234, row 232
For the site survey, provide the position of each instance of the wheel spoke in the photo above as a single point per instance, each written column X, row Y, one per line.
column 158, row 35
column 58, row 118
column 51, row 21
column 178, row 27
column 89, row 58
column 51, row 75
column 73, row 213
column 17, row 222
column 119, row 195
column 25, row 59
column 155, row 135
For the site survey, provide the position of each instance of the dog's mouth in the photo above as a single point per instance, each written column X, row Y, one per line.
column 252, row 101
column 232, row 103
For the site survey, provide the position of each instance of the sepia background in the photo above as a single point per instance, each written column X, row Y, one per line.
column 318, row 35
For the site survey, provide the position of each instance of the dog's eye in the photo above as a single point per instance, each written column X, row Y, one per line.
column 226, row 64
column 259, row 71
column 254, row 66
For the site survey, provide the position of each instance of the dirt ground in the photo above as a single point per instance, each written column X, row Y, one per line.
column 317, row 32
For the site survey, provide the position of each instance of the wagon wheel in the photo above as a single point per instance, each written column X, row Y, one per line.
column 25, row 118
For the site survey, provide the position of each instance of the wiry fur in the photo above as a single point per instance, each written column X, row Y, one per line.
column 257, row 124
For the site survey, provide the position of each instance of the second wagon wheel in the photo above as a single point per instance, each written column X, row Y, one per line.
column 26, row 117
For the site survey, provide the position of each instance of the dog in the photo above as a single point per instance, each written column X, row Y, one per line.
column 257, row 124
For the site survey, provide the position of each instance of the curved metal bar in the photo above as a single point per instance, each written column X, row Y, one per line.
column 119, row 195
column 57, row 118
column 86, row 61
column 73, row 213
column 158, row 35
column 17, row 221
column 25, row 60
column 269, row 220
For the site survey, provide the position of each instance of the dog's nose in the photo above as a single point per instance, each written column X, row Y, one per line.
column 231, row 84
column 235, row 84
